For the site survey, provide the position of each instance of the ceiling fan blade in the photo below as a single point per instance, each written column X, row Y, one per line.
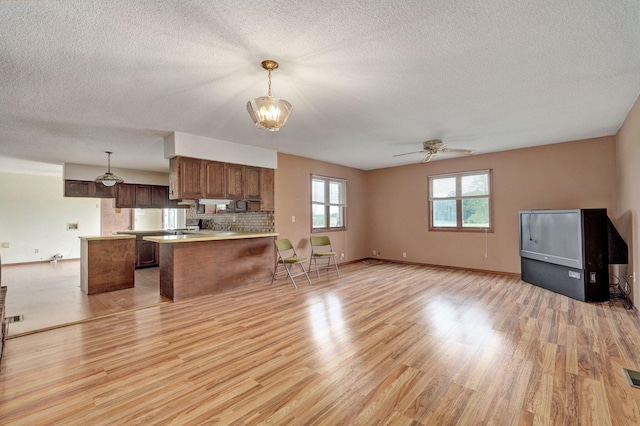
column 456, row 151
column 409, row 153
column 427, row 157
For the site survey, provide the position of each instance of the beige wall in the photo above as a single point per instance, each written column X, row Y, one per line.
column 628, row 161
column 293, row 198
column 388, row 207
column 34, row 216
column 578, row 174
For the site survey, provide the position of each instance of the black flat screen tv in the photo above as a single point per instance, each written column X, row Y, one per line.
column 553, row 236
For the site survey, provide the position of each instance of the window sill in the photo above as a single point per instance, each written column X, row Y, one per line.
column 472, row 230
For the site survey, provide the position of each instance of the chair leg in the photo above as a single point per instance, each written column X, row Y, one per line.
column 315, row 262
column 275, row 272
column 291, row 276
column 335, row 263
column 305, row 273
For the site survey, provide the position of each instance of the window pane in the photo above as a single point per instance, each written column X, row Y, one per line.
column 444, row 213
column 475, row 185
column 318, row 218
column 335, row 217
column 443, row 187
column 317, row 191
column 475, row 213
column 335, row 193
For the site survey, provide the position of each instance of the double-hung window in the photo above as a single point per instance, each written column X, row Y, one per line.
column 328, row 203
column 460, row 201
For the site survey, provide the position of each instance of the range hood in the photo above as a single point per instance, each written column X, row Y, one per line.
column 213, row 201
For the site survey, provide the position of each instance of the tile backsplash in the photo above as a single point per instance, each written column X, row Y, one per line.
column 239, row 221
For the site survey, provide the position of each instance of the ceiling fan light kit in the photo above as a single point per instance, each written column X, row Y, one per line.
column 436, row 146
column 108, row 179
column 267, row 112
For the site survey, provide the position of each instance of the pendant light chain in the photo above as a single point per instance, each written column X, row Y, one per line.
column 269, row 91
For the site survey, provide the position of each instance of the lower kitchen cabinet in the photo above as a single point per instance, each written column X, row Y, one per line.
column 146, row 253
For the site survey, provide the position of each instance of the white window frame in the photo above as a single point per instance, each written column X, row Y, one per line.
column 327, row 204
column 460, row 227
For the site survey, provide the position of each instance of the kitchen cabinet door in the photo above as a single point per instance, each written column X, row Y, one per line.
column 145, row 253
column 190, row 178
column 143, row 196
column 125, row 195
column 252, row 184
column 87, row 189
column 235, row 181
column 77, row 188
column 160, row 197
column 214, row 180
column 98, row 190
column 267, row 203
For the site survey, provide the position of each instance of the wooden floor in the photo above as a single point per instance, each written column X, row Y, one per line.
column 382, row 344
column 48, row 295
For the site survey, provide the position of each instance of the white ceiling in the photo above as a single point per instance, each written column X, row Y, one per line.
column 367, row 79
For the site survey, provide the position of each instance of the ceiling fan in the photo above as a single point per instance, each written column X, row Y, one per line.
column 436, row 146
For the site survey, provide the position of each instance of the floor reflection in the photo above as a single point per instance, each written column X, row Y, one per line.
column 465, row 324
column 327, row 322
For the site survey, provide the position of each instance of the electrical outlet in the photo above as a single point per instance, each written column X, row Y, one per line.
column 36, row 251
column 5, row 245
column 404, row 254
column 374, row 252
column 293, row 219
column 341, row 256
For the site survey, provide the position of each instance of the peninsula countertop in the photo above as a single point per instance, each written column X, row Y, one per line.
column 107, row 237
column 206, row 235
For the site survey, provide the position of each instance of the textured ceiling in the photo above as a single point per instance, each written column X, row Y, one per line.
column 367, row 80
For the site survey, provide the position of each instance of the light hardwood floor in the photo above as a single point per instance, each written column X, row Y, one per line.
column 383, row 344
column 48, row 295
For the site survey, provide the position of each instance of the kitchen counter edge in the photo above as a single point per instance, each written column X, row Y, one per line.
column 210, row 236
column 108, row 237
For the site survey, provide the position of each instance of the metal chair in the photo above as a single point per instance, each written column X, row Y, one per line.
column 321, row 249
column 288, row 259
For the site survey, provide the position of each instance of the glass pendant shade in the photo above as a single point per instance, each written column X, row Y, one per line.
column 269, row 113
column 108, row 179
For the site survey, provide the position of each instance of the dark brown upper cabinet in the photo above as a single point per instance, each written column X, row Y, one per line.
column 214, row 180
column 252, row 183
column 193, row 179
column 87, row 189
column 235, row 181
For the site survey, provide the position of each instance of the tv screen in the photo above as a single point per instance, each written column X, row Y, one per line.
column 553, row 236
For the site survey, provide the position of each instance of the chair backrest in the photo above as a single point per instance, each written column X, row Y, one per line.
column 283, row 245
column 320, row 241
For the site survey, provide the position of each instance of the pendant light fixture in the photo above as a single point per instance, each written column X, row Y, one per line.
column 108, row 179
column 267, row 112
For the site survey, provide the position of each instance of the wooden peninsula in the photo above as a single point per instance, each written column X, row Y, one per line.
column 106, row 263
column 204, row 263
